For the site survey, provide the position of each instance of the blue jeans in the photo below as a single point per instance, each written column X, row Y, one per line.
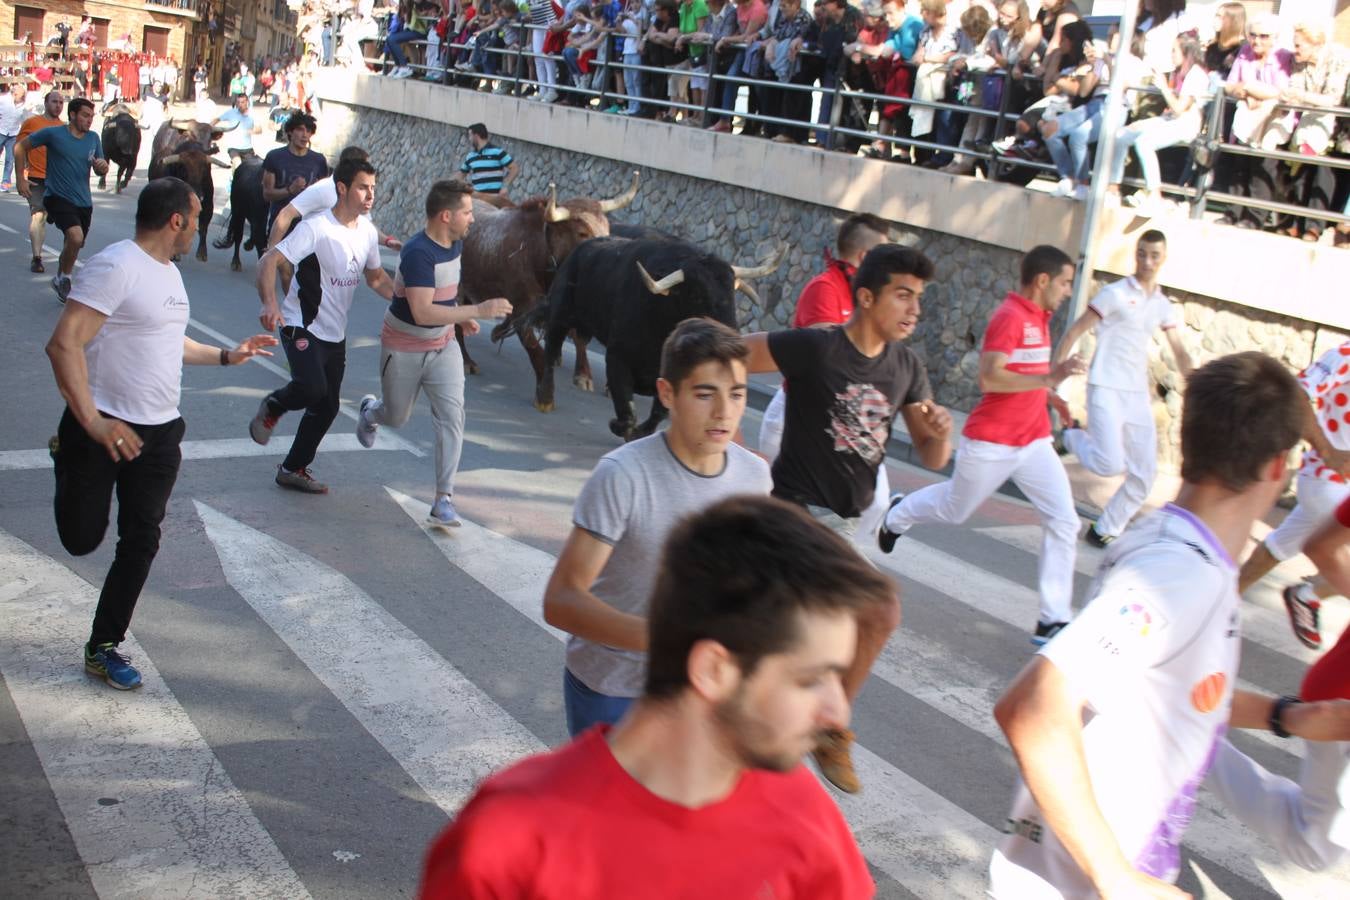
column 7, row 148
column 731, row 89
column 572, row 56
column 632, row 82
column 828, row 80
column 585, row 707
column 393, row 44
column 1069, row 145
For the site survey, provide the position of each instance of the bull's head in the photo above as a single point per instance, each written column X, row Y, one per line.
column 741, row 273
column 555, row 212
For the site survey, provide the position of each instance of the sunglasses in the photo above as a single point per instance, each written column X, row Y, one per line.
column 1265, row 37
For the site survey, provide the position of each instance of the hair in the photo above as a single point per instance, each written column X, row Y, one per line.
column 1023, row 20
column 1162, row 10
column 740, row 573
column 446, row 195
column 670, row 7
column 352, row 152
column 79, row 103
column 1152, row 236
column 697, row 341
column 1072, row 37
column 933, row 7
column 348, row 169
column 479, row 130
column 1265, row 23
column 301, row 120
column 1240, row 412
column 851, row 231
column 886, row 260
column 975, row 23
column 1043, row 260
column 159, row 200
column 1234, row 27
column 1192, row 55
column 1313, row 31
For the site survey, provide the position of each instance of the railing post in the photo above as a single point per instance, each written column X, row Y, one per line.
column 836, row 108
column 1000, row 125
column 1213, row 127
column 712, row 75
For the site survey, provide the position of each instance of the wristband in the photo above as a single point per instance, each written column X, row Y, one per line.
column 1277, row 714
column 224, row 357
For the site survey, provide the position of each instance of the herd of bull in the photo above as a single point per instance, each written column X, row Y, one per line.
column 565, row 268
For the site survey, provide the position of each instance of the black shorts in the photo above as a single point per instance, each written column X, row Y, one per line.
column 66, row 215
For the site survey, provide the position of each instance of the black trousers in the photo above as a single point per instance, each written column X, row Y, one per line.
column 317, row 368
column 85, row 478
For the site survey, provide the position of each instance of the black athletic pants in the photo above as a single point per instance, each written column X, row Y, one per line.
column 317, row 368
column 85, row 478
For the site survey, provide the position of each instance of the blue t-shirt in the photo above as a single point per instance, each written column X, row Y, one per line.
column 241, row 136
column 68, row 162
column 905, row 39
column 285, row 166
column 426, row 264
column 486, row 168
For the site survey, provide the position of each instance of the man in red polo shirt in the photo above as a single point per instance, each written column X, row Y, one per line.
column 1008, row 435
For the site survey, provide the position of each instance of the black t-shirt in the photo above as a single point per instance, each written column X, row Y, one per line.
column 840, row 405
column 285, row 166
column 1047, row 18
column 1219, row 59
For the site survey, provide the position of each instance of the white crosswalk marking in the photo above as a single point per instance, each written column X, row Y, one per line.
column 150, row 808
column 221, row 448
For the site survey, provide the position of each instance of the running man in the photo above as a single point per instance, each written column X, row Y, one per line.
column 700, row 789
column 118, row 353
column 330, row 253
column 1150, row 663
column 318, row 197
column 72, row 151
column 418, row 327
column 844, row 388
column 1120, row 434
column 1008, row 435
column 239, row 136
column 290, row 169
column 601, row 585
column 37, row 175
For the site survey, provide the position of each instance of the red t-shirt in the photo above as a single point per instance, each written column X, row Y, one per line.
column 827, row 299
column 572, row 823
column 1021, row 330
column 1329, row 677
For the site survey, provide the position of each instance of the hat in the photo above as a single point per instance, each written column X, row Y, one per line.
column 873, row 8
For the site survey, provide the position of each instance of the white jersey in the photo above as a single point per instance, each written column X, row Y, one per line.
column 316, row 198
column 330, row 262
column 1327, row 382
column 136, row 360
column 1129, row 318
column 1154, row 655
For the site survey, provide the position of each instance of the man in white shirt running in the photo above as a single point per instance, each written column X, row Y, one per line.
column 1120, row 435
column 332, row 253
column 316, row 198
column 118, row 353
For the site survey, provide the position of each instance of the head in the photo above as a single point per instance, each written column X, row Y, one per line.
column 355, row 182
column 241, row 102
column 1230, row 23
column 1047, row 276
column 975, row 23
column 887, row 289
column 352, row 152
column 1187, row 51
column 1072, row 37
column 833, row 10
column 859, row 234
column 80, row 113
column 1262, row 34
column 1012, row 13
column 169, row 206
column 299, row 129
column 1241, row 415
column 703, row 384
column 933, row 13
column 450, row 203
column 1149, row 254
column 874, row 13
column 52, row 103
column 753, row 621
column 1309, row 39
column 478, row 135
column 667, row 10
column 17, row 92
column 790, row 8
column 894, row 11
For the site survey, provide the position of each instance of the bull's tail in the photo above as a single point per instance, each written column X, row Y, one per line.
column 535, row 320
column 234, row 230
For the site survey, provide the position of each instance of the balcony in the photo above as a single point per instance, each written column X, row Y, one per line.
column 188, row 9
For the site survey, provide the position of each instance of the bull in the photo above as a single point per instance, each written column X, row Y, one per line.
column 605, row 290
column 514, row 252
column 247, row 207
column 121, row 145
column 182, row 149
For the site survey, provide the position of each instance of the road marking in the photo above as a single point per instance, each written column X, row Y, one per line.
column 150, row 808
column 1027, row 538
column 444, row 731
column 222, row 448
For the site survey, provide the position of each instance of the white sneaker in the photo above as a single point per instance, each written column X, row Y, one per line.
column 365, row 431
column 550, row 96
column 402, row 72
column 1064, row 188
column 1080, row 192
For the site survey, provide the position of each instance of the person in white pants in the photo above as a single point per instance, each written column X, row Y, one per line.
column 1007, row 435
column 546, row 67
column 1120, row 435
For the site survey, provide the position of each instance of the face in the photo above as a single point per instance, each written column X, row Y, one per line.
column 460, row 219
column 707, row 405
column 790, row 8
column 1305, row 50
column 1260, row 40
column 17, row 93
column 1177, row 56
column 299, row 137
column 361, row 195
column 935, row 20
column 894, row 310
column 1149, row 259
column 895, row 14
column 1007, row 15
column 1056, row 290
column 51, row 105
column 241, row 103
column 83, row 119
column 185, row 230
column 475, row 141
column 778, row 714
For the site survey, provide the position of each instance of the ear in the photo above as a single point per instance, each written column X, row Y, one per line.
column 863, row 298
column 1278, row 468
column 665, row 392
column 713, row 672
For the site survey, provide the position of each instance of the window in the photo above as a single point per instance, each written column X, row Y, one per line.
column 101, row 32
column 156, row 40
column 28, row 20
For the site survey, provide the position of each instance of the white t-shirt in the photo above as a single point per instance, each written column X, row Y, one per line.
column 136, row 359
column 1196, row 86
column 631, row 35
column 330, row 262
column 1129, row 318
column 1154, row 656
column 316, row 198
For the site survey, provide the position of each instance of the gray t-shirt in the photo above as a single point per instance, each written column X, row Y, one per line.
column 631, row 501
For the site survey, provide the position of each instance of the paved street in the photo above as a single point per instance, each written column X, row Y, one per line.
column 327, row 678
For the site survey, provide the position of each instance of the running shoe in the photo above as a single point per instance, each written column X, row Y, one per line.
column 61, row 284
column 4, row 188
column 834, row 757
column 1045, row 632
column 1305, row 614
column 885, row 537
column 365, row 432
column 260, row 428
column 1061, row 447
column 36, row 265
column 302, row 481
column 443, row 514
column 1095, row 538
column 108, row 663
column 1064, row 188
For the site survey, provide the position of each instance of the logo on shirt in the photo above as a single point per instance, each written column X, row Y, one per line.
column 1031, row 334
column 1207, row 692
column 1136, row 619
column 172, row 302
column 860, row 422
column 353, row 265
column 1027, row 828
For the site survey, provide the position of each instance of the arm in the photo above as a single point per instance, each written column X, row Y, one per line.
column 282, row 223
column 428, row 313
column 272, row 193
column 1179, row 353
column 21, row 167
column 570, row 605
column 198, row 354
column 996, row 379
column 380, row 282
column 270, row 316
column 512, row 173
column 1323, row 720
column 1084, row 324
column 760, row 359
column 78, row 325
column 930, row 430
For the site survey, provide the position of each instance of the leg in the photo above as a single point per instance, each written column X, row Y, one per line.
column 1141, row 467
column 654, row 418
column 85, row 476
column 1126, row 138
column 400, row 381
column 37, row 231
column 7, row 148
column 319, row 415
column 70, row 250
column 1257, row 566
column 876, row 623
column 1317, row 500
column 872, row 517
column 621, row 393
column 443, row 381
column 585, row 707
column 1041, row 476
column 581, row 374
column 980, row 468
column 1100, row 447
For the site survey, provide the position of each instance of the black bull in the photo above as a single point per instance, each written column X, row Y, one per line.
column 121, row 145
column 630, row 295
column 183, row 150
column 247, row 207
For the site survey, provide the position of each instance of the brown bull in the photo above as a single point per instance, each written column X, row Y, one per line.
column 182, row 148
column 515, row 252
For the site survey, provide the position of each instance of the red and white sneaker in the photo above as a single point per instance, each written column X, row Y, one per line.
column 1304, row 614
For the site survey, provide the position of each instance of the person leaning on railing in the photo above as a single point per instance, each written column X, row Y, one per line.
column 720, row 23
column 897, row 80
column 794, row 31
column 751, row 15
column 1258, row 76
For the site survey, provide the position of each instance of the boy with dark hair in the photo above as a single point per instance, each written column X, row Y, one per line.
column 419, row 324
column 318, row 197
column 290, row 169
column 601, row 584
column 844, row 388
column 752, row 624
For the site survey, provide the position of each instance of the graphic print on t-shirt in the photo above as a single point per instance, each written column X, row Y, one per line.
column 860, row 422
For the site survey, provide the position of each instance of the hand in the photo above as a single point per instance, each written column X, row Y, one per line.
column 251, row 347
column 25, row 189
column 117, row 437
column 270, row 317
column 470, row 327
column 297, row 185
column 720, row 45
column 494, row 308
column 1061, row 408
column 1074, row 365
column 100, row 167
column 393, row 243
column 1134, row 885
column 794, row 48
column 938, row 420
column 1338, row 460
column 1324, row 720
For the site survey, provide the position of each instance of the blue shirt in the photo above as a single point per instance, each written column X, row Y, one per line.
column 905, row 39
column 423, row 263
column 68, row 162
column 285, row 167
column 241, row 136
column 486, row 168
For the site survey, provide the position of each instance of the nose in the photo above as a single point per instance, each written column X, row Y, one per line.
column 835, row 710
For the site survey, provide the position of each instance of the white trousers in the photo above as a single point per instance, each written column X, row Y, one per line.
column 981, row 467
column 546, row 67
column 1120, row 437
column 771, row 442
column 1317, row 500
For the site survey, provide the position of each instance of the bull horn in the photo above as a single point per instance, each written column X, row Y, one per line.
column 766, row 268
column 745, row 288
column 169, row 160
column 553, row 212
column 223, row 165
column 183, row 124
column 619, row 202
column 663, row 286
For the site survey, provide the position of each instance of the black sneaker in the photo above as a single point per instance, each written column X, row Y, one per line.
column 885, row 537
column 1046, row 631
column 1095, row 538
column 1060, row 447
column 36, row 265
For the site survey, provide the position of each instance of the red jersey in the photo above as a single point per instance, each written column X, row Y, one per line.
column 827, row 299
column 1021, row 330
column 572, row 824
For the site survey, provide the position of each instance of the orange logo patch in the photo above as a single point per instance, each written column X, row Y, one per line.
column 1208, row 691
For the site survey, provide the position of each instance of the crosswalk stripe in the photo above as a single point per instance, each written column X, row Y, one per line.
column 1027, row 538
column 444, row 731
column 150, row 808
column 221, row 448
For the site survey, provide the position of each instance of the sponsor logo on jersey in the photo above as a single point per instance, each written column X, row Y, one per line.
column 1031, row 334
column 1208, row 692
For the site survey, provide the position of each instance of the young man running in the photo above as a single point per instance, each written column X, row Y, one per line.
column 118, row 353
column 290, row 169
column 37, row 175
column 699, row 791
column 72, row 151
column 419, row 324
column 330, row 253
column 844, row 388
column 1150, row 663
column 602, row 583
column 1008, row 435
column 1120, row 435
column 318, row 197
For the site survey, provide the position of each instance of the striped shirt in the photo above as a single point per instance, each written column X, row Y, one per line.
column 486, row 168
column 541, row 12
column 422, row 264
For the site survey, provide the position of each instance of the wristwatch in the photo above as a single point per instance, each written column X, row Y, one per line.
column 1277, row 715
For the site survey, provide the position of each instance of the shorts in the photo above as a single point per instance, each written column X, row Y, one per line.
column 66, row 215
column 35, row 197
column 1317, row 501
